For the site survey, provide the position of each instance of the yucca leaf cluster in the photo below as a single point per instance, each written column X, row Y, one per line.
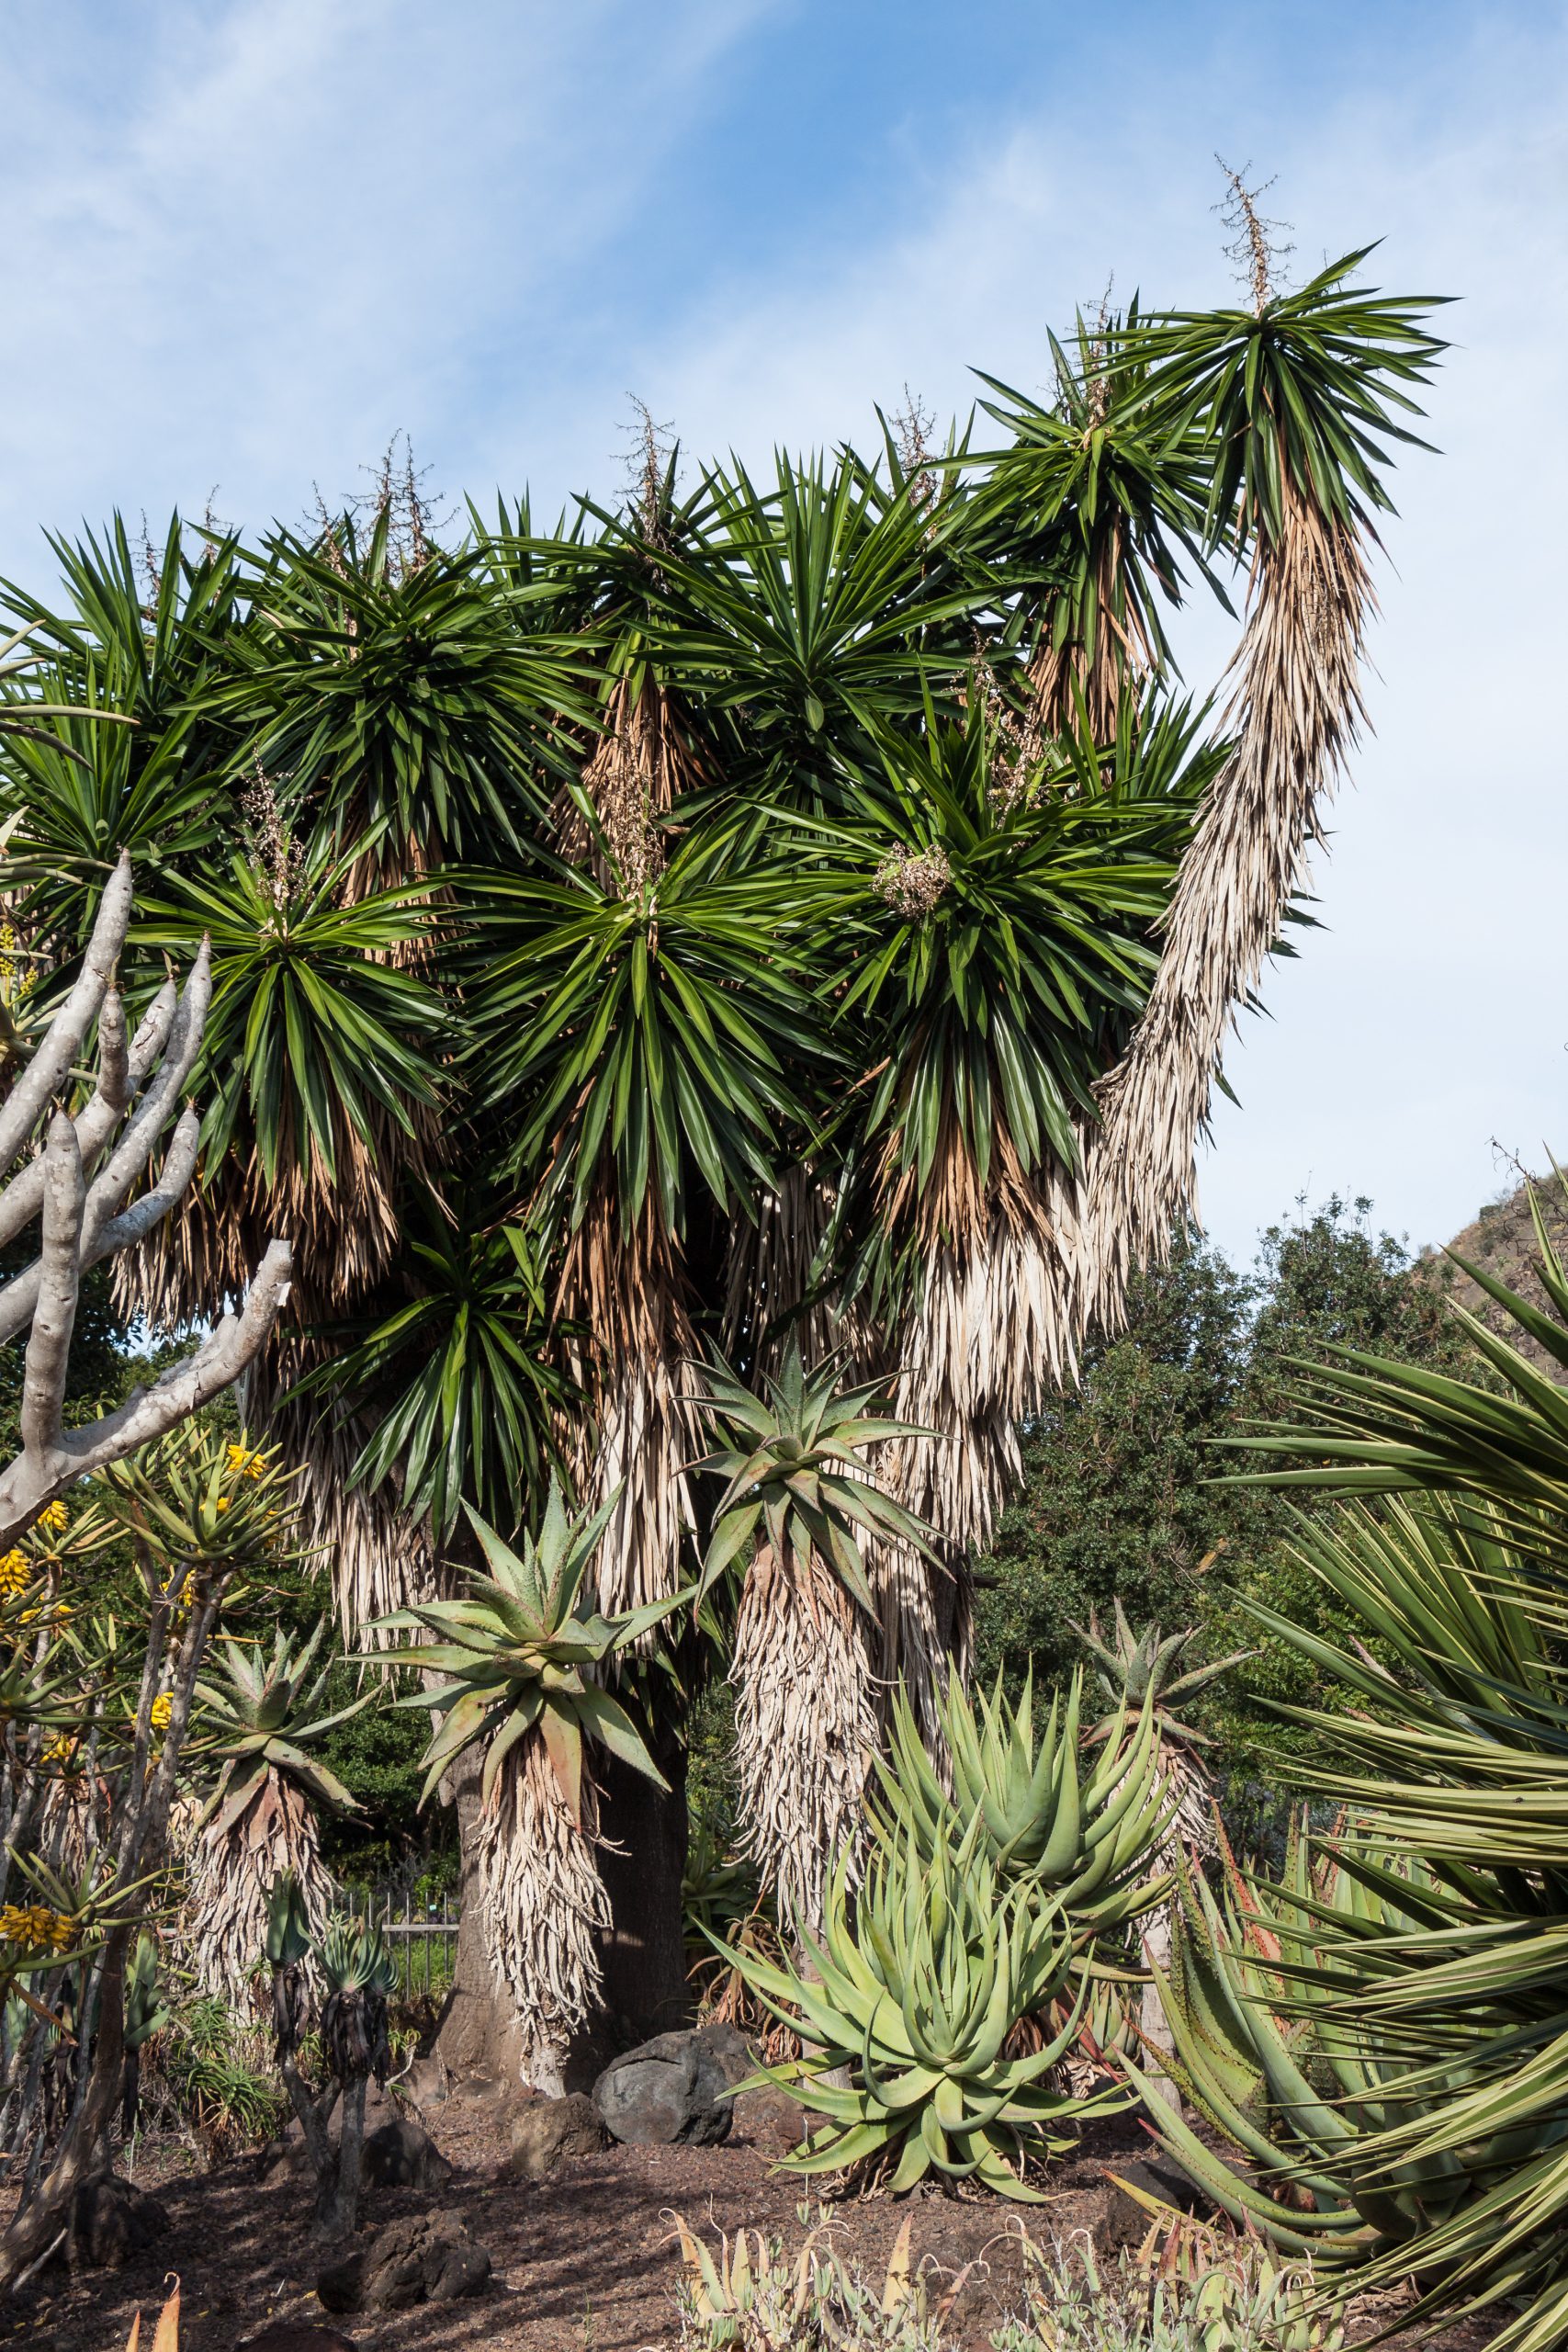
column 1385, row 2027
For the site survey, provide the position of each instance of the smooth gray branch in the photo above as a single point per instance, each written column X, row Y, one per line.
column 84, row 1216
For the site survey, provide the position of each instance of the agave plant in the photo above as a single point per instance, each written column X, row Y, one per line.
column 799, row 1499
column 259, row 1715
column 913, row 1991
column 511, row 1667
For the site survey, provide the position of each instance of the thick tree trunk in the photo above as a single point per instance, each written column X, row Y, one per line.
column 339, row 2213
column 645, row 1989
column 78, row 2155
column 478, row 2036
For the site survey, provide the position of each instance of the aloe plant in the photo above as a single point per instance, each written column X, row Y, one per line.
column 913, row 1991
column 358, row 1973
column 801, row 1499
column 259, row 1715
column 1087, row 1838
column 510, row 1670
column 146, row 2013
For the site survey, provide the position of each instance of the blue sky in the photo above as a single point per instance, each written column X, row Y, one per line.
column 249, row 239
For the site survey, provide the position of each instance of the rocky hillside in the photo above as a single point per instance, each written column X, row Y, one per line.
column 1503, row 1242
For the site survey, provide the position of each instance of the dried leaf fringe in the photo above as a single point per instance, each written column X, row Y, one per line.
column 544, row 1908
column 631, row 1357
column 222, row 1923
column 1295, row 716
column 805, row 1728
column 644, row 760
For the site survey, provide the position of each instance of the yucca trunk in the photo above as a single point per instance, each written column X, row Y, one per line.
column 230, row 1874
column 1066, row 674
column 995, row 1325
column 1295, row 715
column 643, row 760
column 544, row 1908
column 805, row 1728
column 642, row 1428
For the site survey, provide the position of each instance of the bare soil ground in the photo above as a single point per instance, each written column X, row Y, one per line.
column 584, row 2262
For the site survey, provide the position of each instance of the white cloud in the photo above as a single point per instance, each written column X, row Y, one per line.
column 245, row 243
column 250, row 243
column 1432, row 1013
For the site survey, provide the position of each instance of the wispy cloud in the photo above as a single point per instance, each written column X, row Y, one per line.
column 246, row 241
column 248, row 247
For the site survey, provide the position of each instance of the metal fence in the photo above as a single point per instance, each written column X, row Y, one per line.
column 420, row 1936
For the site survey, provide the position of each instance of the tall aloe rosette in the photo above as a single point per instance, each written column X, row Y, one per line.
column 511, row 1670
column 800, row 1499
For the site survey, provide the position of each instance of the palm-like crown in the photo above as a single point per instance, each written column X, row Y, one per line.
column 1145, row 1668
column 260, row 1714
column 513, row 1655
column 794, row 1461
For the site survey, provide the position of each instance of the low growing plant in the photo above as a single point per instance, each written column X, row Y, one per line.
column 906, row 2007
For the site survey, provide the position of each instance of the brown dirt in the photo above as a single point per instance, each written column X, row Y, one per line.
column 586, row 2262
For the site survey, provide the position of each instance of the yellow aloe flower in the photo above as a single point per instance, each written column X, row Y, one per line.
column 162, row 1709
column 55, row 1516
column 36, row 1926
column 16, row 1574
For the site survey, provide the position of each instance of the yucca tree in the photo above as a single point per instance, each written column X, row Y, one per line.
column 747, row 895
column 510, row 1673
column 1088, row 510
column 258, row 1715
column 995, row 931
column 1295, row 401
column 798, row 1504
column 653, row 1038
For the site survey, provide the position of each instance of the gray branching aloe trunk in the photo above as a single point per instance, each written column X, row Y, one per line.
column 79, row 1186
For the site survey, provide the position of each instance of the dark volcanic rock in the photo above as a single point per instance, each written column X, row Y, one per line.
column 1126, row 2222
column 675, row 2088
column 402, row 2155
column 424, row 2258
column 110, row 2222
